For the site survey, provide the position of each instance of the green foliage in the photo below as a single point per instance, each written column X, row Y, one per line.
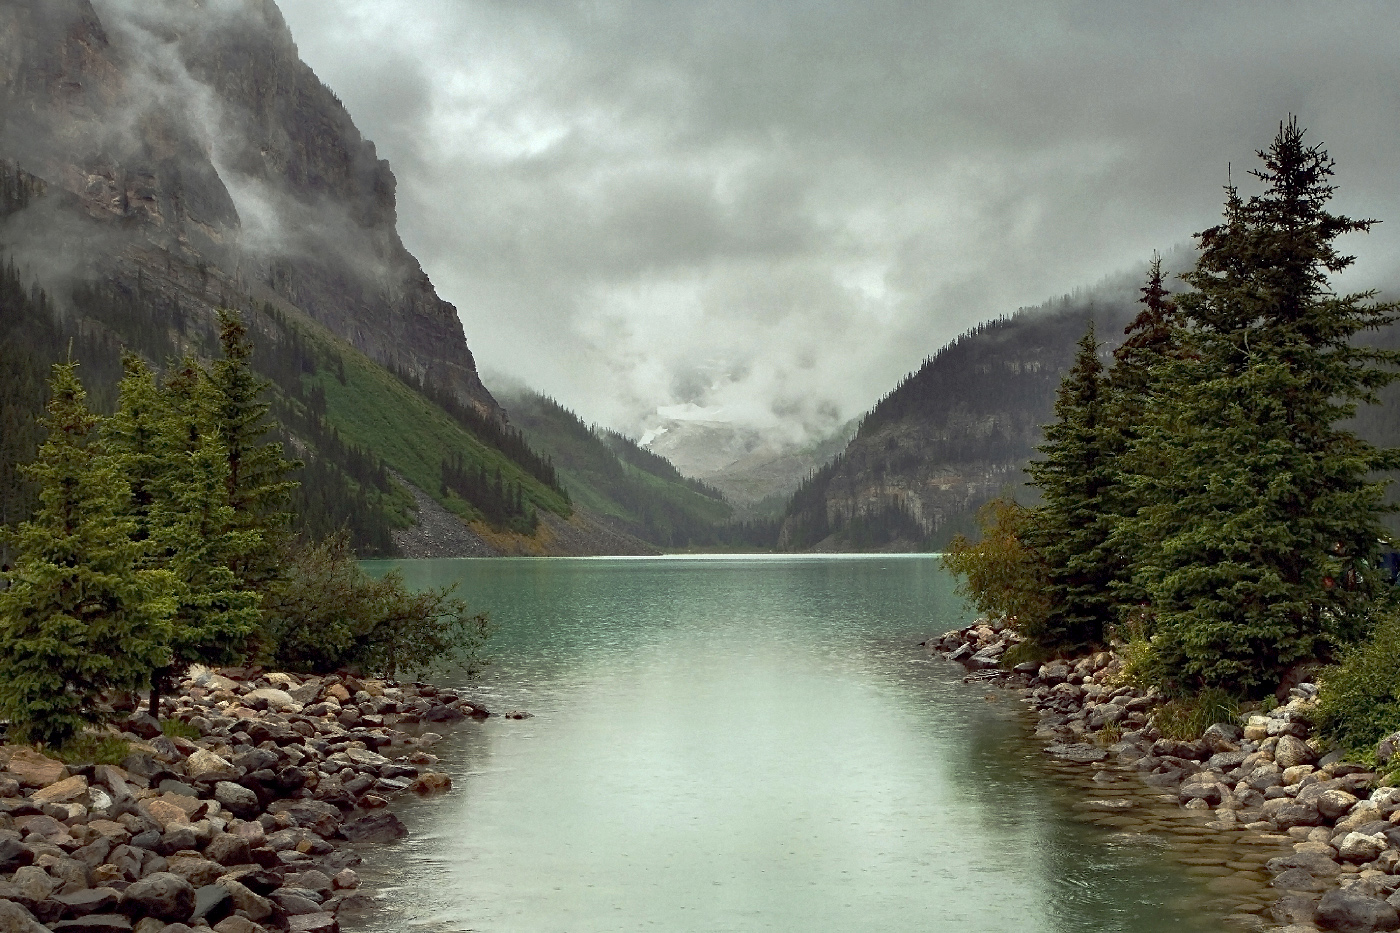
column 1359, row 699
column 999, row 574
column 325, row 613
column 256, row 471
column 1259, row 512
column 1070, row 529
column 79, row 617
column 1187, row 718
column 178, row 729
column 96, row 748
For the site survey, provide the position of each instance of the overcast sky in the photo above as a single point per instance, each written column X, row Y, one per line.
column 770, row 212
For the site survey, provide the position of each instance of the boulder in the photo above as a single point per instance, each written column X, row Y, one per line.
column 237, row 799
column 67, row 790
column 376, row 827
column 32, row 769
column 431, row 782
column 212, row 903
column 88, row 901
column 1358, row 847
column 160, row 894
column 196, row 869
column 94, row 923
column 1335, row 803
column 274, row 699
column 313, row 923
column 1317, row 864
column 246, row 899
column 293, row 902
column 1294, row 908
column 1285, row 812
column 1292, row 751
column 16, row 919
column 1348, row 910
column 228, row 849
column 1298, row 879
column 204, row 765
column 237, row 924
column 1080, row 751
column 14, row 854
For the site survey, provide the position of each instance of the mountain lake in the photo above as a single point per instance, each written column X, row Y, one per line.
column 754, row 744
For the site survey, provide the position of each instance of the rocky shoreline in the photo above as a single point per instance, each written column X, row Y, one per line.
column 251, row 824
column 1266, row 782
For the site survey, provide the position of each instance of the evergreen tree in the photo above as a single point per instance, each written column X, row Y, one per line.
column 1070, row 529
column 1152, row 338
column 79, row 618
column 1266, row 511
column 258, row 491
column 165, row 443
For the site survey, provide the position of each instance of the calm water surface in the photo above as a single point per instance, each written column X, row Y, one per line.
column 750, row 744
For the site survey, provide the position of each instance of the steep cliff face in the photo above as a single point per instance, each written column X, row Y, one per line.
column 954, row 434
column 185, row 144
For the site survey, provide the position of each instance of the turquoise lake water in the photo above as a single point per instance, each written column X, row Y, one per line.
column 746, row 744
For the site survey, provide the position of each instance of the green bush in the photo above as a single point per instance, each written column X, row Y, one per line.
column 1359, row 699
column 999, row 574
column 326, row 614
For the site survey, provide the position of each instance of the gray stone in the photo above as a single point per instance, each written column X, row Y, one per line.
column 1293, row 908
column 277, row 700
column 237, row 924
column 1081, row 752
column 1298, row 879
column 246, row 899
column 1358, row 847
column 237, row 799
column 1350, row 911
column 88, row 901
column 16, row 919
column 228, row 849
column 212, row 903
column 14, row 854
column 1318, row 864
column 1335, row 803
column 204, row 765
column 313, row 923
column 1292, row 751
column 376, row 827
column 293, row 903
column 160, row 894
column 94, row 923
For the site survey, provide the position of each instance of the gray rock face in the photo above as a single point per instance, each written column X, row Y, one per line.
column 1298, row 879
column 162, row 895
column 1316, row 864
column 1350, row 911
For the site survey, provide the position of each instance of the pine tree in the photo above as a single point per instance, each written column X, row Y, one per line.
column 79, row 617
column 1265, row 510
column 258, row 491
column 1069, row 530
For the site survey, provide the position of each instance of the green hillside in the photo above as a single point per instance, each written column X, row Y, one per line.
column 610, row 475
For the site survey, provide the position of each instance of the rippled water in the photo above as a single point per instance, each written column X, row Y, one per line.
column 757, row 744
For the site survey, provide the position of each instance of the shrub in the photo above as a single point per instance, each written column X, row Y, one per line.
column 325, row 613
column 1000, row 575
column 1359, row 699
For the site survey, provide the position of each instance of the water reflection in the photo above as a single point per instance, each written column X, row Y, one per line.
column 750, row 744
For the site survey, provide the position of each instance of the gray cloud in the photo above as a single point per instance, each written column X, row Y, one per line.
column 767, row 213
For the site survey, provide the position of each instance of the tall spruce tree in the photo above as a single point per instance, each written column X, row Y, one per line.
column 164, row 440
column 258, row 489
column 1263, row 512
column 79, row 618
column 1151, row 339
column 1069, row 530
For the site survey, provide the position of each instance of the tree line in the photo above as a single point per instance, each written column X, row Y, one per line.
column 162, row 538
column 1205, row 503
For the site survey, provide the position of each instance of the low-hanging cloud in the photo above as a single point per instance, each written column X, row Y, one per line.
column 768, row 212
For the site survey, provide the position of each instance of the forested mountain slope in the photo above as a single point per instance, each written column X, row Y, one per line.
column 164, row 159
column 955, row 433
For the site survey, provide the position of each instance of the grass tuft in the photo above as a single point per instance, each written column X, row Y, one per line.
column 1186, row 718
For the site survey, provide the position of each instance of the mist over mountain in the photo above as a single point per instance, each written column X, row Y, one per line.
column 185, row 144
